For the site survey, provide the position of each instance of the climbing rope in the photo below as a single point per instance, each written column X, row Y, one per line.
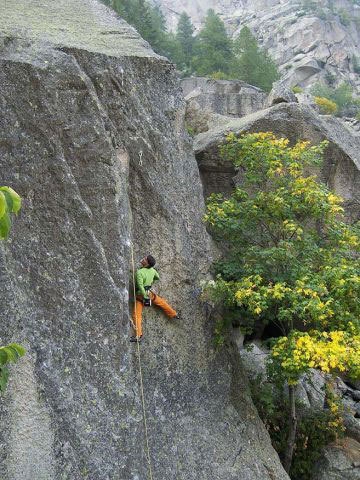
column 141, row 376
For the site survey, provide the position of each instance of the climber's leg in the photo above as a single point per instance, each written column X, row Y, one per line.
column 160, row 302
column 137, row 317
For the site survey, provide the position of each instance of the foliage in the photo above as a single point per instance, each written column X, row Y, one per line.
column 327, row 107
column 341, row 95
column 290, row 260
column 9, row 353
column 330, row 78
column 253, row 65
column 186, row 40
column 289, row 255
column 10, row 202
column 315, row 429
column 309, row 5
column 190, row 130
column 148, row 21
column 297, row 89
column 312, row 7
column 336, row 351
column 213, row 49
column 210, row 53
column 344, row 16
column 219, row 76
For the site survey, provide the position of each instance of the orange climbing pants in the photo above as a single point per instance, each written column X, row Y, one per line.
column 138, row 308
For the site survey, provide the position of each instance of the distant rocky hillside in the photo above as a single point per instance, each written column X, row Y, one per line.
column 309, row 40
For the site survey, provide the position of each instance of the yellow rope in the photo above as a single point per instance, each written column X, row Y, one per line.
column 141, row 376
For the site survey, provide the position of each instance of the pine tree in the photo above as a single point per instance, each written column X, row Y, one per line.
column 253, row 65
column 149, row 21
column 184, row 36
column 213, row 47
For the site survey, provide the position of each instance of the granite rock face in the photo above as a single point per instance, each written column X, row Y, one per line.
column 309, row 43
column 92, row 138
column 295, row 121
column 280, row 93
column 232, row 98
column 212, row 102
column 340, row 461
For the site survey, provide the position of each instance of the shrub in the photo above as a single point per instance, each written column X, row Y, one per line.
column 190, row 130
column 344, row 17
column 341, row 95
column 219, row 76
column 297, row 89
column 327, row 107
column 330, row 78
column 309, row 6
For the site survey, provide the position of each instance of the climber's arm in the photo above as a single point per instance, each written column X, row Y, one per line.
column 140, row 283
column 156, row 276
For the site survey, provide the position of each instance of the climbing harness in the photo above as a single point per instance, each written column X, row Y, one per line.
column 147, row 300
column 140, row 374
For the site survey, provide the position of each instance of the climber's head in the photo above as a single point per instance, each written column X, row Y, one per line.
column 151, row 260
column 148, row 261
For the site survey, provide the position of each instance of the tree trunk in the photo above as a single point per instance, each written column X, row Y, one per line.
column 290, row 444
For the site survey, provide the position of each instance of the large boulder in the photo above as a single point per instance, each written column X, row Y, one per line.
column 232, row 98
column 92, row 138
column 281, row 93
column 342, row 159
column 208, row 99
column 340, row 461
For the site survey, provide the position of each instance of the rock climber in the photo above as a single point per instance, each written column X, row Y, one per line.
column 145, row 277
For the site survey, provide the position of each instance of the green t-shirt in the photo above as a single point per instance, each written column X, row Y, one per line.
column 145, row 277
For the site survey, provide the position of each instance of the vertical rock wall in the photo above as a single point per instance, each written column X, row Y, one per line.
column 92, row 138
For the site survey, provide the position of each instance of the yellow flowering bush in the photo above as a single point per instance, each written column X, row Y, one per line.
column 290, row 256
column 327, row 107
column 290, row 260
column 336, row 351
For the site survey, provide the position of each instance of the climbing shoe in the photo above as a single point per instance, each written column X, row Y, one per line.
column 135, row 339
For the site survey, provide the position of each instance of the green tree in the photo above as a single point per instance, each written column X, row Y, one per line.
column 10, row 202
column 253, row 65
column 147, row 19
column 213, row 50
column 291, row 260
column 186, row 40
